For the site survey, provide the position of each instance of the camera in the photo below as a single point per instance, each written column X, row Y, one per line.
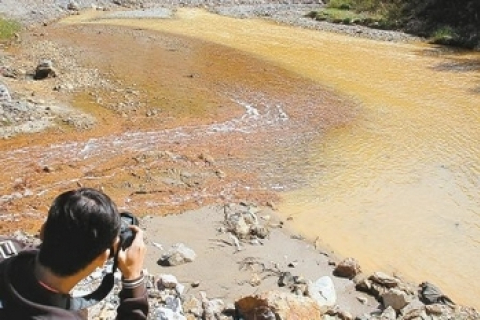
column 126, row 234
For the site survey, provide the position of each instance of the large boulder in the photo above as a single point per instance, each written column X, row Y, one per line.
column 276, row 305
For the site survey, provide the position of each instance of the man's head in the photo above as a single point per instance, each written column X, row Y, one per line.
column 81, row 225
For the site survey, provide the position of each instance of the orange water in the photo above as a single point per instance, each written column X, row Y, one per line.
column 399, row 187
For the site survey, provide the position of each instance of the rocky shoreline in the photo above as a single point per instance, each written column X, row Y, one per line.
column 239, row 261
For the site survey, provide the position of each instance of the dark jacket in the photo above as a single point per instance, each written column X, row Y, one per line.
column 23, row 298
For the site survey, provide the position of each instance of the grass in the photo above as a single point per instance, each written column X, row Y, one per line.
column 8, row 28
column 444, row 35
column 345, row 16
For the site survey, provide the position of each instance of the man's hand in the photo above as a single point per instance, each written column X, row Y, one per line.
column 130, row 261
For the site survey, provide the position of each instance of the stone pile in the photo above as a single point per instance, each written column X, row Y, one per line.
column 242, row 224
column 167, row 302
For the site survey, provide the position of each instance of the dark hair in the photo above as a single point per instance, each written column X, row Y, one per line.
column 81, row 224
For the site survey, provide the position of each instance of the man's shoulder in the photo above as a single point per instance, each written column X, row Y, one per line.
column 13, row 305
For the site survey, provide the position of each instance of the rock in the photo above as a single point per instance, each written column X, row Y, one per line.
column 397, row 299
column 389, row 314
column 44, row 70
column 339, row 314
column 166, row 281
column 73, row 6
column 4, row 94
column 379, row 283
column 163, row 313
column 220, row 174
column 177, row 255
column 240, row 228
column 348, row 268
column 192, row 305
column 286, row 279
column 429, row 294
column 276, row 305
column 417, row 313
column 272, row 205
column 259, row 231
column 207, row 158
column 414, row 304
column 385, row 280
column 255, row 280
column 211, row 308
column 174, row 304
column 322, row 291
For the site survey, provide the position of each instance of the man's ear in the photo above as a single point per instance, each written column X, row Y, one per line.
column 102, row 258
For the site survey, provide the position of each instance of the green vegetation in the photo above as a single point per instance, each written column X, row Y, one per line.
column 443, row 21
column 346, row 16
column 370, row 13
column 8, row 28
column 445, row 35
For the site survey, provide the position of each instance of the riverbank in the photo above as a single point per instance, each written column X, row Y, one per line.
column 31, row 13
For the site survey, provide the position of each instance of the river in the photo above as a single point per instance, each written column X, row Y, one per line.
column 398, row 187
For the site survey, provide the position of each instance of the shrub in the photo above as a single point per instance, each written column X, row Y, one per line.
column 8, row 28
column 444, row 33
column 447, row 35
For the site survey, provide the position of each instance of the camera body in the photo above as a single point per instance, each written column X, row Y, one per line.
column 126, row 234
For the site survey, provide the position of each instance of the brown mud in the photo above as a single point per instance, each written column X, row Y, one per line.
column 172, row 85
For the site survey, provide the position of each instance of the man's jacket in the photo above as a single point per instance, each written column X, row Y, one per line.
column 23, row 298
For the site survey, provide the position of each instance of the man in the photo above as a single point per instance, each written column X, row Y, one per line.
column 81, row 233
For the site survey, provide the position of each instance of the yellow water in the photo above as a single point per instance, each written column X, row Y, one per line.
column 399, row 187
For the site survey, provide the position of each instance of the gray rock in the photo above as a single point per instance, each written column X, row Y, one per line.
column 429, row 294
column 177, row 255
